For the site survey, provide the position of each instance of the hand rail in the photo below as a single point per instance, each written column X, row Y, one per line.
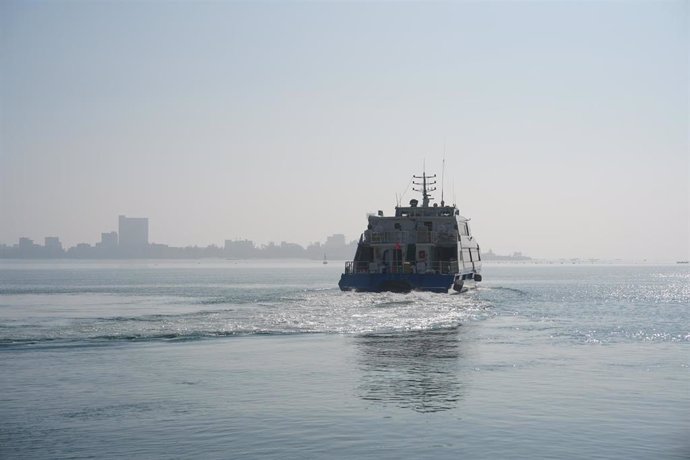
column 405, row 237
column 438, row 267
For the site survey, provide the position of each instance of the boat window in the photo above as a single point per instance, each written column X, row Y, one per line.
column 445, row 254
column 364, row 254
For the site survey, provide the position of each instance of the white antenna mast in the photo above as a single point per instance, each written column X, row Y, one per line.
column 443, row 172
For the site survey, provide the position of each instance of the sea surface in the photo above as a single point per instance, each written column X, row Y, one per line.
column 243, row 359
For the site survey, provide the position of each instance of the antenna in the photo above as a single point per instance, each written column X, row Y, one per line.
column 443, row 172
column 402, row 195
column 426, row 186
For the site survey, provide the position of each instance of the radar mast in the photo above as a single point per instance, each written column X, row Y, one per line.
column 427, row 187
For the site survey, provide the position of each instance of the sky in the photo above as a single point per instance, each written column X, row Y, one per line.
column 564, row 125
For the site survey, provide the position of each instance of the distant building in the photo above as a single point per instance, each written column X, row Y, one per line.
column 28, row 249
column 336, row 247
column 516, row 257
column 26, row 244
column 337, row 240
column 133, row 234
column 108, row 240
column 239, row 249
column 81, row 251
column 53, row 243
column 107, row 247
column 53, row 247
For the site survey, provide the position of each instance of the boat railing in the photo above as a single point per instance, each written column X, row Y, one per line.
column 438, row 267
column 446, row 237
column 445, row 267
column 355, row 266
column 401, row 236
column 386, row 237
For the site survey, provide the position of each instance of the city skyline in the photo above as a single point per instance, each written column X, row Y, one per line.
column 131, row 241
column 135, row 245
column 136, row 231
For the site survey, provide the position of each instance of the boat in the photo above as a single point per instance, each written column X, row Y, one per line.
column 325, row 261
column 420, row 248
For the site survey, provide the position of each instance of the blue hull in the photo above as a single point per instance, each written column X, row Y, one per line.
column 396, row 282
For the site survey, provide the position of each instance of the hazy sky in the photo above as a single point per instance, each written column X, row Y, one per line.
column 565, row 124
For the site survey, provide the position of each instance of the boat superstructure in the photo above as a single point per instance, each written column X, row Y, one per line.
column 427, row 248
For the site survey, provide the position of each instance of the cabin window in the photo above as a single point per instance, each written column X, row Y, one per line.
column 364, row 254
column 445, row 254
column 463, row 229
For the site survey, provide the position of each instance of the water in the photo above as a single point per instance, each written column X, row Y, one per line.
column 225, row 359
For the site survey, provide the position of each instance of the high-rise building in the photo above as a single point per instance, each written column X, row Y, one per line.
column 52, row 243
column 27, row 248
column 133, row 233
column 26, row 243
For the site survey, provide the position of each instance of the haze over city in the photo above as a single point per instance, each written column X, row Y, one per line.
column 564, row 125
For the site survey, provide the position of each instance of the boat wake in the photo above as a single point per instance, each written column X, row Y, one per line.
column 308, row 312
